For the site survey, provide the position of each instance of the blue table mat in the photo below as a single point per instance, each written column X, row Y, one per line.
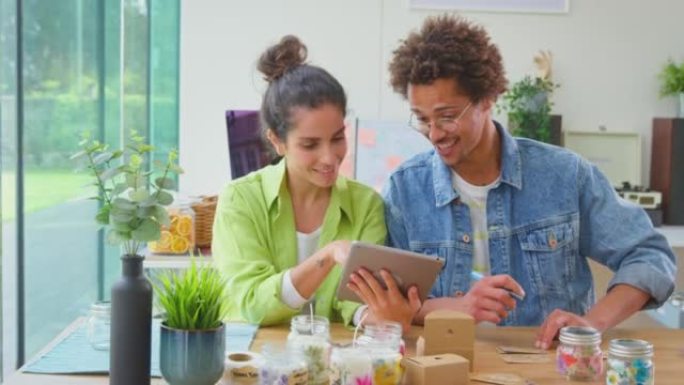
column 74, row 354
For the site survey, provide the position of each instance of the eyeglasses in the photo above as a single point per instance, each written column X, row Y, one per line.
column 446, row 123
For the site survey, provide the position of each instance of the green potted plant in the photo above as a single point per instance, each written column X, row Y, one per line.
column 192, row 333
column 132, row 208
column 528, row 104
column 529, row 108
column 672, row 82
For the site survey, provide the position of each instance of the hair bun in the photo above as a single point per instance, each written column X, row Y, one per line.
column 278, row 59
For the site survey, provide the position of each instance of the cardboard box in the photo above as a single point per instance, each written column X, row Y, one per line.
column 443, row 369
column 468, row 354
column 449, row 328
column 447, row 331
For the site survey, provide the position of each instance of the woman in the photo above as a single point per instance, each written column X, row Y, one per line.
column 281, row 232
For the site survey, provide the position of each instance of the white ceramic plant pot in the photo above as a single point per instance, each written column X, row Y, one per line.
column 681, row 105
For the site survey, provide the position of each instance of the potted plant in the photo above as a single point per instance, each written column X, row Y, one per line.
column 529, row 106
column 132, row 208
column 192, row 334
column 672, row 82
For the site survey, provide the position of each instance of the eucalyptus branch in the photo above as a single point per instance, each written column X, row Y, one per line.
column 99, row 181
column 166, row 172
column 134, row 247
column 133, row 219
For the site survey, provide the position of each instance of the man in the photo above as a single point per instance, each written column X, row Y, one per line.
column 523, row 214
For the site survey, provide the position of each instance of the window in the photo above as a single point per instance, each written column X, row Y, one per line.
column 102, row 66
column 8, row 177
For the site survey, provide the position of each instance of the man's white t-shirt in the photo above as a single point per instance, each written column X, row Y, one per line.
column 476, row 199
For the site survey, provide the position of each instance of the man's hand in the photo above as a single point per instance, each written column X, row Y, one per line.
column 554, row 322
column 385, row 304
column 621, row 302
column 489, row 299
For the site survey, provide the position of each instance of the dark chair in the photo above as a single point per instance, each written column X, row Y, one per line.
column 246, row 148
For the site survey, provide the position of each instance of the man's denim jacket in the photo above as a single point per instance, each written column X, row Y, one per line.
column 550, row 211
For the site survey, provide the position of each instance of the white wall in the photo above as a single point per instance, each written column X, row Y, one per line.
column 606, row 57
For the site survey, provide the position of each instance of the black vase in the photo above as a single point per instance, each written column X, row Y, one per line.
column 131, row 327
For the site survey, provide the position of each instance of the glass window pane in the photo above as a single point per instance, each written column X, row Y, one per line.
column 60, row 101
column 86, row 66
column 135, row 65
column 8, row 177
column 164, row 59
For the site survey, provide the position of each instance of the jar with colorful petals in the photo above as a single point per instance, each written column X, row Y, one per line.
column 579, row 356
column 282, row 367
column 351, row 366
column 310, row 337
column 630, row 362
column 386, row 347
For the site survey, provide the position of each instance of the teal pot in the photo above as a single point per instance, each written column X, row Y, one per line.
column 192, row 357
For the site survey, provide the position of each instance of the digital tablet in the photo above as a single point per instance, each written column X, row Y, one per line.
column 407, row 268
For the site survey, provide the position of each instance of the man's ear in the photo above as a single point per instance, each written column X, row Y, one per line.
column 488, row 104
column 277, row 144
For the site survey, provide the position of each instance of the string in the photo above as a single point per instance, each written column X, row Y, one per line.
column 311, row 316
column 356, row 329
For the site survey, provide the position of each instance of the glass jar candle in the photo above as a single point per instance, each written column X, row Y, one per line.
column 386, row 333
column 384, row 344
column 579, row 356
column 310, row 337
column 282, row 367
column 630, row 362
column 98, row 325
column 351, row 366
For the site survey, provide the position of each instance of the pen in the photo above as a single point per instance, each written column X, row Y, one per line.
column 476, row 276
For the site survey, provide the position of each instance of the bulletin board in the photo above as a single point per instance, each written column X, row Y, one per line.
column 381, row 146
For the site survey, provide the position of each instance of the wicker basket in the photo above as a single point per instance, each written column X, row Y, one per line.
column 204, row 220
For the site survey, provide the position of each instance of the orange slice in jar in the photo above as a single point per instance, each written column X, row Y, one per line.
column 174, row 223
column 165, row 240
column 180, row 245
column 184, row 225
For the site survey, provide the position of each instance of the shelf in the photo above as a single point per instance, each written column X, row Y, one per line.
column 166, row 261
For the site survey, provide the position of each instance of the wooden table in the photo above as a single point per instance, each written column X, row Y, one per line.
column 668, row 345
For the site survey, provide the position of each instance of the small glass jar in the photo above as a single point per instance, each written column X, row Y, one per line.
column 310, row 337
column 98, row 325
column 179, row 236
column 351, row 366
column 385, row 346
column 630, row 362
column 282, row 367
column 387, row 334
column 677, row 300
column 579, row 356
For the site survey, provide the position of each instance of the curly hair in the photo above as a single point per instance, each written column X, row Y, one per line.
column 449, row 46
